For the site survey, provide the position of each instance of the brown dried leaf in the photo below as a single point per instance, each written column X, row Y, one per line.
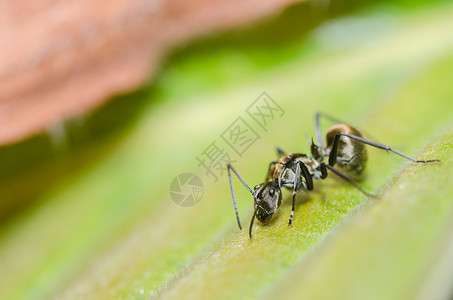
column 62, row 59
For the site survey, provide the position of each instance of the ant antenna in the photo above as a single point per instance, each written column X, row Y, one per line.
column 232, row 192
column 251, row 223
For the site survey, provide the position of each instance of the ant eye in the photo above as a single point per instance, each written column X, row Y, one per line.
column 271, row 192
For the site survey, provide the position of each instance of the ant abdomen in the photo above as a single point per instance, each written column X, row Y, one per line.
column 352, row 154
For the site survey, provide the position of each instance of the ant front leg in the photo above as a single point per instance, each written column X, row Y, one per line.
column 333, row 152
column 230, row 167
column 271, row 164
column 300, row 168
column 280, row 151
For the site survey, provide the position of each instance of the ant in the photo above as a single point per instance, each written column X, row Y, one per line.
column 296, row 171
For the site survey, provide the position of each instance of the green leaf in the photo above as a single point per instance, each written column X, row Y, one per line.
column 396, row 247
column 110, row 230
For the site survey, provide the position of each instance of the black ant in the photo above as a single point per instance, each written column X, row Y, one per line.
column 296, row 171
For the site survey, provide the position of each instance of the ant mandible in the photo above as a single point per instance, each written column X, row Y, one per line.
column 296, row 171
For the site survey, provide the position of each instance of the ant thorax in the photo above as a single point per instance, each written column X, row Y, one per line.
column 284, row 169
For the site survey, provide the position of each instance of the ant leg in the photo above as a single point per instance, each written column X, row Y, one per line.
column 318, row 133
column 295, row 186
column 230, row 167
column 280, row 151
column 324, row 168
column 333, row 152
column 273, row 162
column 300, row 167
column 307, row 176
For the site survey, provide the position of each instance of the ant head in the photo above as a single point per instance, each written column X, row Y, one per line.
column 268, row 197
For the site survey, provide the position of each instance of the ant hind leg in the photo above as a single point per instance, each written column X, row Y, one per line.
column 318, row 133
column 338, row 135
column 343, row 176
